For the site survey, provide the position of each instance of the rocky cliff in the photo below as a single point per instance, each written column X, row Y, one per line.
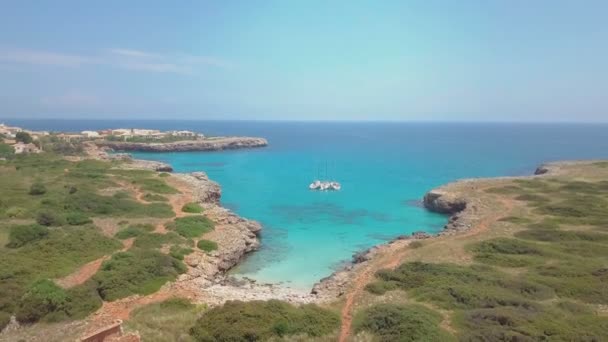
column 208, row 144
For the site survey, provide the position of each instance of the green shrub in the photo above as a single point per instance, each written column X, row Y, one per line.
column 169, row 320
column 157, row 240
column 191, row 226
column 154, row 198
column 49, row 218
column 179, row 252
column 82, row 300
column 163, row 175
column 97, row 205
column 136, row 272
column 62, row 252
column 451, row 286
column 206, row 245
column 37, row 189
column 128, row 232
column 393, row 322
column 261, row 321
column 6, row 151
column 134, row 231
column 15, row 212
column 155, row 185
column 192, row 207
column 41, row 299
column 21, row 235
column 77, row 219
column 529, row 324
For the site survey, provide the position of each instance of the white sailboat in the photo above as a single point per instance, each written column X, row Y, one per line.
column 325, row 185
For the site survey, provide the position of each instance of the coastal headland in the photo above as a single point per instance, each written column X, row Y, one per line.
column 531, row 251
column 206, row 144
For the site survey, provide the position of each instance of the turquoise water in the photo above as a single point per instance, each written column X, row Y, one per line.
column 384, row 168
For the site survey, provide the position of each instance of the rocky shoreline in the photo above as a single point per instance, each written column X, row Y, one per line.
column 207, row 144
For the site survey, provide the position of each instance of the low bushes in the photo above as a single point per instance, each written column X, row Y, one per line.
column 261, row 321
column 97, row 205
column 156, row 240
column 133, row 231
column 21, row 235
column 155, row 185
column 393, row 322
column 165, row 321
column 193, row 208
column 49, row 218
column 179, row 252
column 154, row 198
column 61, row 252
column 37, row 189
column 136, row 272
column 191, row 226
column 46, row 301
column 41, row 299
column 77, row 219
column 451, row 286
column 206, row 245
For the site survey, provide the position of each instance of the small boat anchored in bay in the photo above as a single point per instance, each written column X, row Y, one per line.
column 324, row 185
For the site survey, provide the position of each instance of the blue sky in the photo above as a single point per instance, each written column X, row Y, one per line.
column 305, row 60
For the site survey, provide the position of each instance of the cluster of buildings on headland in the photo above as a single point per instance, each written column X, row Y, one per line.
column 9, row 135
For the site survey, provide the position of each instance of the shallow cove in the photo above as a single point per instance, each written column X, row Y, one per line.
column 384, row 169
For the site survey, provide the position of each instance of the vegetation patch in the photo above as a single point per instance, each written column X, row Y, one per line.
column 136, row 272
column 206, row 245
column 191, row 226
column 148, row 197
column 45, row 301
column 179, row 252
column 133, row 231
column 58, row 254
column 155, row 185
column 262, row 321
column 165, row 321
column 393, row 322
column 193, row 208
column 460, row 287
column 21, row 235
column 157, row 240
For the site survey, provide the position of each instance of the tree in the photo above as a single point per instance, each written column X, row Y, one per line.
column 23, row 137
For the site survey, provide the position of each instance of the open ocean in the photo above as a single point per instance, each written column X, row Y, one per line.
column 384, row 168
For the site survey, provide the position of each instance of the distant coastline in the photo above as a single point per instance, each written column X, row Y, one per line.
column 207, row 144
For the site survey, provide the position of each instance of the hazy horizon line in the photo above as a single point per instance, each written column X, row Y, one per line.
column 8, row 119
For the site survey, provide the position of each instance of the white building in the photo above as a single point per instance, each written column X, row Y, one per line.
column 185, row 134
column 21, row 148
column 90, row 134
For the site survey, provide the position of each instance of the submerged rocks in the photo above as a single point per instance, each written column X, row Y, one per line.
column 207, row 144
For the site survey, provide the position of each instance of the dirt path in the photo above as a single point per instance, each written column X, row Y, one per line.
column 393, row 257
column 85, row 272
column 121, row 309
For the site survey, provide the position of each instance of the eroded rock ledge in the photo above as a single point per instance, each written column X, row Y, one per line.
column 208, row 144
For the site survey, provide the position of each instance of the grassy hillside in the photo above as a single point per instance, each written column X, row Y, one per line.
column 540, row 272
column 49, row 207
